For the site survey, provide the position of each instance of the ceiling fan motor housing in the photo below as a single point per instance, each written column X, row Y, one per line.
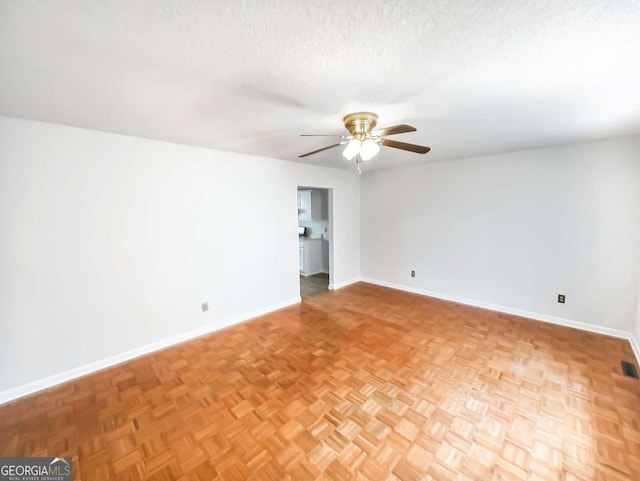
column 360, row 124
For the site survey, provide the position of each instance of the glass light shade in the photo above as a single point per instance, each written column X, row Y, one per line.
column 369, row 149
column 352, row 149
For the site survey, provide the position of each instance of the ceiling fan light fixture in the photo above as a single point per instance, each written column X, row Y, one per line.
column 369, row 149
column 363, row 142
column 352, row 149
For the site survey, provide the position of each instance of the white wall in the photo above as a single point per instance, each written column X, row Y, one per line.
column 514, row 230
column 636, row 332
column 109, row 243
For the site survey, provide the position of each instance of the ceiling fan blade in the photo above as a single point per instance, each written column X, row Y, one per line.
column 396, row 129
column 320, row 150
column 418, row 149
column 320, row 135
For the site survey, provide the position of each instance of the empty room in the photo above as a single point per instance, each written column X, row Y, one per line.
column 285, row 240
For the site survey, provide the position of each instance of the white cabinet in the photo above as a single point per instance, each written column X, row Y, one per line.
column 301, row 256
column 304, row 204
column 310, row 256
column 325, row 255
column 310, row 205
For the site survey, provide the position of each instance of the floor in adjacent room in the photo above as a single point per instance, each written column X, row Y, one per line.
column 363, row 383
column 313, row 285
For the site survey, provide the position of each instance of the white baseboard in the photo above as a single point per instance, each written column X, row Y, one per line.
column 340, row 285
column 583, row 326
column 635, row 345
column 307, row 274
column 50, row 381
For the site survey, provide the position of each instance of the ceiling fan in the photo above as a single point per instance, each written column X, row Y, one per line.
column 363, row 143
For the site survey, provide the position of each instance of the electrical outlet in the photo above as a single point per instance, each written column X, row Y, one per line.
column 205, row 306
column 561, row 298
column 413, row 273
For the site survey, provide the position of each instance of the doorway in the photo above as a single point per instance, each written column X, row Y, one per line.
column 314, row 240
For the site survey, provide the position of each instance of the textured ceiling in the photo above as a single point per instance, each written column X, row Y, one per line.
column 475, row 77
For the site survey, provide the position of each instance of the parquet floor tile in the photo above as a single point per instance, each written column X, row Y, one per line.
column 365, row 383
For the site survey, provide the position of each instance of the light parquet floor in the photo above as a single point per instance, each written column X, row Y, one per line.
column 364, row 383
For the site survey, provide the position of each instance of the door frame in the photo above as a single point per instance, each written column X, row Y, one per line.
column 329, row 234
